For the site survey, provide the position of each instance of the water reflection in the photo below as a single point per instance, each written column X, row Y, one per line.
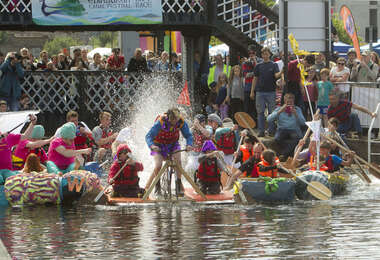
column 346, row 227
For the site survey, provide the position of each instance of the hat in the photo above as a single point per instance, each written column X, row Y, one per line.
column 215, row 118
column 228, row 123
column 122, row 148
column 208, row 145
column 351, row 50
column 3, row 102
column 365, row 53
column 38, row 132
column 201, row 118
column 68, row 131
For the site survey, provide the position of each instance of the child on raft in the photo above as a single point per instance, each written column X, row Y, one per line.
column 29, row 146
column 269, row 166
column 62, row 153
column 126, row 184
column 32, row 164
column 209, row 170
column 332, row 162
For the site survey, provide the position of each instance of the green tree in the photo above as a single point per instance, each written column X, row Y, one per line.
column 215, row 41
column 56, row 45
column 342, row 34
column 269, row 3
column 105, row 39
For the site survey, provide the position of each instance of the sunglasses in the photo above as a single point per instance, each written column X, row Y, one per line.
column 340, row 63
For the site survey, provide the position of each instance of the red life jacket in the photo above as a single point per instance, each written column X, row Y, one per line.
column 83, row 141
column 208, row 171
column 128, row 176
column 106, row 134
column 329, row 165
column 226, row 143
column 168, row 134
column 199, row 139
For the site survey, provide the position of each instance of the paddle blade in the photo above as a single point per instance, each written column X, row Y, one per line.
column 319, row 191
column 244, row 120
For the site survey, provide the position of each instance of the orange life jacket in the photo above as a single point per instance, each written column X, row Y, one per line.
column 323, row 167
column 246, row 155
column 273, row 173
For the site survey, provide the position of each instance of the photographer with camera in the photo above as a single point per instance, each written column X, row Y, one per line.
column 10, row 88
column 289, row 122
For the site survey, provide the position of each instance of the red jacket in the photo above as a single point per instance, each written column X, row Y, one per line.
column 129, row 174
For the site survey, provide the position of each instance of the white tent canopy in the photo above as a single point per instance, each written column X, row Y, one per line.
column 101, row 51
column 222, row 49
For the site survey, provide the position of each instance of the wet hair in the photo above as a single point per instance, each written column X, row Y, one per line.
column 71, row 114
column 32, row 164
column 334, row 121
column 326, row 145
column 250, row 139
column 269, row 156
column 173, row 112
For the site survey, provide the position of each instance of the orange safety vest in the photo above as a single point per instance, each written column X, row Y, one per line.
column 273, row 173
column 246, row 155
column 323, row 167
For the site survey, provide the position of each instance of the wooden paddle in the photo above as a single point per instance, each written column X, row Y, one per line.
column 245, row 120
column 362, row 175
column 317, row 191
column 110, row 183
column 299, row 149
column 355, row 156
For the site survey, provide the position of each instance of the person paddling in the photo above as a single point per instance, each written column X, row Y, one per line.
column 61, row 154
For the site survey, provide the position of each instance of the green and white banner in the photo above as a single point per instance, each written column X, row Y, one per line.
column 96, row 12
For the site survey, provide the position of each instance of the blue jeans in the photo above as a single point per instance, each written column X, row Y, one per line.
column 351, row 124
column 287, row 139
column 265, row 99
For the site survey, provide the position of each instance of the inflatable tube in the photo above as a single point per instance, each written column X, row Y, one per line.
column 41, row 188
column 32, row 189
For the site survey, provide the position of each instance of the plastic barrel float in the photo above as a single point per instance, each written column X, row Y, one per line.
column 42, row 188
column 265, row 189
column 336, row 182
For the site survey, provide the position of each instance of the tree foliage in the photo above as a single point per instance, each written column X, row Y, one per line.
column 56, row 45
column 215, row 41
column 342, row 34
column 105, row 39
column 269, row 3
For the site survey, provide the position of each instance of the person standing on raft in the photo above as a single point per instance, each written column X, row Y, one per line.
column 162, row 139
column 61, row 154
column 8, row 140
column 126, row 184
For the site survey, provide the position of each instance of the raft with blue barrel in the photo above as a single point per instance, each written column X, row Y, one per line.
column 336, row 182
column 42, row 188
column 264, row 189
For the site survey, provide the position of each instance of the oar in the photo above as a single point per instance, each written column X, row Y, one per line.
column 225, row 180
column 299, row 149
column 110, row 183
column 317, row 190
column 14, row 128
column 245, row 120
column 355, row 156
column 362, row 175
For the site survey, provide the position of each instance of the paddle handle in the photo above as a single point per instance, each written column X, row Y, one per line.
column 103, row 163
column 355, row 155
column 116, row 175
column 237, row 150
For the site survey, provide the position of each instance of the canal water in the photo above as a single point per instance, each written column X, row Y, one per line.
column 346, row 227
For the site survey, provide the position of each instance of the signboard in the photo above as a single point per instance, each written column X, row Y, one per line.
column 306, row 20
column 96, row 12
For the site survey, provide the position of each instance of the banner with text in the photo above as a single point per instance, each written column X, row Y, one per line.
column 96, row 12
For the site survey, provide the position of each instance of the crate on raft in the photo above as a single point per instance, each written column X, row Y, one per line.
column 266, row 190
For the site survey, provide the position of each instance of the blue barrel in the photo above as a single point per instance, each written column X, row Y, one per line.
column 256, row 189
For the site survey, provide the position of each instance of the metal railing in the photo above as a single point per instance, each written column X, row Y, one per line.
column 168, row 6
column 370, row 141
column 249, row 21
column 92, row 91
